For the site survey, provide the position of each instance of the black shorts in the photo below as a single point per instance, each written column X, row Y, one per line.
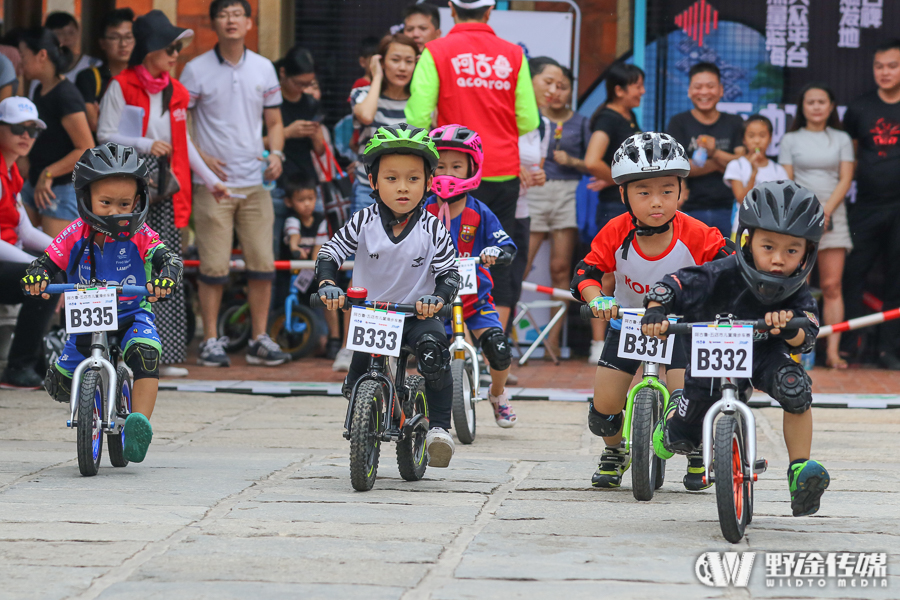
column 609, row 358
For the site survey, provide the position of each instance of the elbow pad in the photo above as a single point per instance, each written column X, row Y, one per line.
column 660, row 292
column 447, row 285
column 584, row 272
column 326, row 268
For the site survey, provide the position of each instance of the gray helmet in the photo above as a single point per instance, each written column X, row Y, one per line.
column 111, row 160
column 783, row 207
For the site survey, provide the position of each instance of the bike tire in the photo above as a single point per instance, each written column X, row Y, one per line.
column 365, row 447
column 115, row 442
column 89, row 435
column 411, row 458
column 728, row 464
column 463, row 409
column 645, row 464
column 234, row 326
column 297, row 345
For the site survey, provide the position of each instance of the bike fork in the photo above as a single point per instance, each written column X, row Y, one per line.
column 729, row 405
column 96, row 362
column 651, row 379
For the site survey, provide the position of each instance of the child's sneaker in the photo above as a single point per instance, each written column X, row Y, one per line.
column 807, row 481
column 212, row 353
column 659, row 434
column 342, row 360
column 693, row 480
column 613, row 463
column 503, row 410
column 138, row 434
column 439, row 446
column 264, row 351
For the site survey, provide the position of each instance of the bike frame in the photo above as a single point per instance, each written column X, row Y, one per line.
column 651, row 379
column 460, row 347
column 97, row 361
column 730, row 405
column 289, row 303
column 378, row 372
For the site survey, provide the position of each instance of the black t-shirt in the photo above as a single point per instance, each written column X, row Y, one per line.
column 618, row 129
column 708, row 191
column 54, row 142
column 91, row 88
column 297, row 150
column 875, row 125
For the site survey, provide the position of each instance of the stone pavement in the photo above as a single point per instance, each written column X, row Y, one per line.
column 249, row 496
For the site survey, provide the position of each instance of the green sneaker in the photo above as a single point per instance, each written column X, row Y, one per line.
column 693, row 480
column 659, row 434
column 613, row 463
column 138, row 434
column 807, row 481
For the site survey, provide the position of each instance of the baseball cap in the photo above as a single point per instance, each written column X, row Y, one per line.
column 473, row 3
column 17, row 109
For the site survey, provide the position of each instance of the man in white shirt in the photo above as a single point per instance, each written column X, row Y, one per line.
column 233, row 90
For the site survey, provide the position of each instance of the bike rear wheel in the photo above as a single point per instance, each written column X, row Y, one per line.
column 411, row 449
column 365, row 445
column 300, row 344
column 116, row 441
column 89, row 434
column 463, row 401
column 731, row 486
column 647, row 470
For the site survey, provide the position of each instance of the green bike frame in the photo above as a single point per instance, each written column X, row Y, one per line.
column 651, row 379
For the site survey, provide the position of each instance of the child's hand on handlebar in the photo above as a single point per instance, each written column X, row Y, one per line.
column 428, row 306
column 159, row 288
column 331, row 295
column 35, row 284
column 777, row 320
column 655, row 323
column 604, row 307
column 489, row 255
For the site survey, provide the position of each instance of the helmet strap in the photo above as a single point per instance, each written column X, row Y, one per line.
column 389, row 219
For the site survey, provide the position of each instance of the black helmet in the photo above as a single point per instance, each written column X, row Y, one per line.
column 109, row 160
column 783, row 207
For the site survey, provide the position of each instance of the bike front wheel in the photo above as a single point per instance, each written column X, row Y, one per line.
column 116, row 441
column 365, row 426
column 732, row 488
column 647, row 470
column 463, row 401
column 89, row 434
column 411, row 449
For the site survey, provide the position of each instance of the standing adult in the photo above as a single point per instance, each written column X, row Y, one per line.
column 117, row 43
column 720, row 135
column 163, row 102
column 819, row 156
column 471, row 76
column 232, row 91
column 873, row 121
column 9, row 81
column 48, row 195
column 382, row 103
column 612, row 123
column 19, row 127
column 422, row 23
column 66, row 29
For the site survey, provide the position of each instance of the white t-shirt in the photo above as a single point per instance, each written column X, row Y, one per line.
column 227, row 104
column 740, row 169
column 533, row 148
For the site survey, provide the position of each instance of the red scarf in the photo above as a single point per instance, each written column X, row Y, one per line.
column 9, row 212
column 152, row 85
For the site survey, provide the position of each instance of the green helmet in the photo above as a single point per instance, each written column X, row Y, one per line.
column 402, row 139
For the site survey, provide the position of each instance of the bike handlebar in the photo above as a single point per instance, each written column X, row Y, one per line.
column 315, row 301
column 587, row 314
column 758, row 325
column 121, row 290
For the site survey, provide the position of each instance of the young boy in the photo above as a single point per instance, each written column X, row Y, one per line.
column 403, row 255
column 475, row 231
column 766, row 278
column 640, row 246
column 111, row 242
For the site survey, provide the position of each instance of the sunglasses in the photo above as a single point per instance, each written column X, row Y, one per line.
column 19, row 129
column 176, row 47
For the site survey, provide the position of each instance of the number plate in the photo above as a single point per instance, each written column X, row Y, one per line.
column 469, row 277
column 375, row 331
column 723, row 351
column 88, row 311
column 637, row 346
column 303, row 279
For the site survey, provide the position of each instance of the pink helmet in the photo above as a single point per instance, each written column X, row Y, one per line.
column 457, row 137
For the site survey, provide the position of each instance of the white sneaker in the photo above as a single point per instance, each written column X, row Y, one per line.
column 596, row 351
column 342, row 360
column 439, row 446
column 172, row 371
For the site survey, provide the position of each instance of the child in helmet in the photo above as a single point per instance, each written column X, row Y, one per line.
column 640, row 246
column 111, row 242
column 766, row 278
column 403, row 255
column 475, row 231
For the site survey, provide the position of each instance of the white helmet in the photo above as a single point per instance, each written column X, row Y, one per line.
column 647, row 155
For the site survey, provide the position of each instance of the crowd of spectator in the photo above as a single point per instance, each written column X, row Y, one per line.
column 237, row 150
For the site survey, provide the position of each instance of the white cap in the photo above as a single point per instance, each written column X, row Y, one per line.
column 17, row 109
column 473, row 3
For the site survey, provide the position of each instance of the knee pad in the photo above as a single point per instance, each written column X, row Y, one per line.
column 604, row 425
column 58, row 385
column 433, row 358
column 792, row 388
column 143, row 360
column 495, row 346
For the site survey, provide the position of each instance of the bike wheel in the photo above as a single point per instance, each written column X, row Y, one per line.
column 89, row 435
column 297, row 345
column 411, row 449
column 365, row 446
column 116, row 441
column 728, row 465
column 463, row 401
column 234, row 323
column 646, row 468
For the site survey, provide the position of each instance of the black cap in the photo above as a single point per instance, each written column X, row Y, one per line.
column 153, row 32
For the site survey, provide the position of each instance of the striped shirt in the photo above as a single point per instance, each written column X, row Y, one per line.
column 394, row 269
column 390, row 112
